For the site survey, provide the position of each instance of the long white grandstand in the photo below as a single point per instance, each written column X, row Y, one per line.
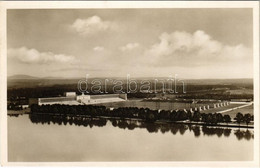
column 71, row 98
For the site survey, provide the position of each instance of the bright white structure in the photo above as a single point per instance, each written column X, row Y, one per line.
column 72, row 99
column 70, row 94
column 204, row 108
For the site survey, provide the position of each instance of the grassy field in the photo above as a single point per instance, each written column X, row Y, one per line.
column 241, row 91
column 150, row 105
column 166, row 106
column 214, row 110
column 244, row 110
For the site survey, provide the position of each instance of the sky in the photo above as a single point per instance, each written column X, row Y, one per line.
column 69, row 43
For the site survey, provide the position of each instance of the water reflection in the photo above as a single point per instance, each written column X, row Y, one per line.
column 244, row 134
column 135, row 124
column 14, row 115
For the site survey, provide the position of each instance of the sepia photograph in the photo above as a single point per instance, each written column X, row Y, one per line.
column 123, row 82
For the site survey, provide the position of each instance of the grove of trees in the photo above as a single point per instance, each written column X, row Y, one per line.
column 145, row 114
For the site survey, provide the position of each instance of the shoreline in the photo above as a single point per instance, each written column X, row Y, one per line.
column 187, row 122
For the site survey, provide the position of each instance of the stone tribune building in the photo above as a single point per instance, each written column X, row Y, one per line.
column 71, row 98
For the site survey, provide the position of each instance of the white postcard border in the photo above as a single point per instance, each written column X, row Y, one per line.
column 120, row 4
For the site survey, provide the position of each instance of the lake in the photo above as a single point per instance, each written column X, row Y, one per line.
column 33, row 138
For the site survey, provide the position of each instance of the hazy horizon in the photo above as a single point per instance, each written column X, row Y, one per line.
column 131, row 77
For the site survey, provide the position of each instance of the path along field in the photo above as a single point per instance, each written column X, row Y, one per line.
column 233, row 109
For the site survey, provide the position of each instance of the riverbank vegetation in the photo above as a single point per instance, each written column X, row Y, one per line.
column 144, row 114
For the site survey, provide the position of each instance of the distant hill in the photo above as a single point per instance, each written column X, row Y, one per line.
column 220, row 81
column 27, row 81
column 20, row 76
column 51, row 77
column 190, row 81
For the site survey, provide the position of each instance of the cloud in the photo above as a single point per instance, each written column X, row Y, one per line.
column 98, row 48
column 92, row 25
column 186, row 49
column 29, row 56
column 129, row 46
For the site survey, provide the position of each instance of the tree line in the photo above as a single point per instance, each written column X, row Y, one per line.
column 134, row 124
column 145, row 114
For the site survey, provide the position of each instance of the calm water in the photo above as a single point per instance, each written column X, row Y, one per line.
column 41, row 138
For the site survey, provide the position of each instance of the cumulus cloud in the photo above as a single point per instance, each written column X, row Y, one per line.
column 28, row 56
column 198, row 48
column 98, row 48
column 92, row 25
column 129, row 46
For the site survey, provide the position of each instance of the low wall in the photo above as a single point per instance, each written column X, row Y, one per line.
column 55, row 99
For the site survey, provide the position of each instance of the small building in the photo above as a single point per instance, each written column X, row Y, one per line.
column 70, row 94
column 25, row 106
